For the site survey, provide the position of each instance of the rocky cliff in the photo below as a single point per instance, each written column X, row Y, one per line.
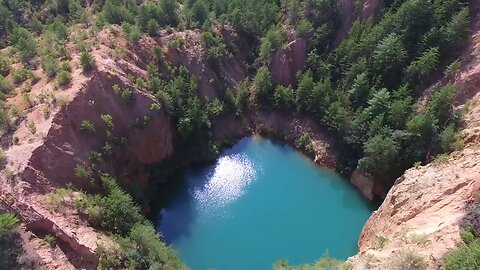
column 420, row 215
column 50, row 143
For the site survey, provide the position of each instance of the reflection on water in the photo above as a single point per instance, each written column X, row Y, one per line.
column 228, row 182
column 258, row 203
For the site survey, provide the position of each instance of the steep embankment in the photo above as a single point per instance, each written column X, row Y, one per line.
column 49, row 146
column 421, row 213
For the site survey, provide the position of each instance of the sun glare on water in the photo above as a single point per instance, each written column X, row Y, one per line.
column 227, row 183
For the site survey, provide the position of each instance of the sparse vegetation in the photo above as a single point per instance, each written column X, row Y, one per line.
column 408, row 260
column 467, row 256
column 81, row 171
column 51, row 240
column 64, row 77
column 87, row 61
column 380, row 242
column 9, row 240
column 324, row 263
column 87, row 126
column 140, row 246
column 108, row 119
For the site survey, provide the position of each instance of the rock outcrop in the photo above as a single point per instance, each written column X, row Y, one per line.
column 421, row 213
column 287, row 62
column 49, row 146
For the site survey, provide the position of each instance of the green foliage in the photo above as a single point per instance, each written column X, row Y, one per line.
column 87, row 61
column 144, row 249
column 80, row 171
column 64, row 77
column 25, row 44
column 126, row 94
column 389, row 58
column 4, row 65
column 5, row 85
column 450, row 139
column 155, row 106
column 8, row 225
column 453, row 68
column 381, row 152
column 139, row 246
column 420, row 69
column 465, row 258
column 132, row 32
column 19, row 76
column 242, row 97
column 200, row 11
column 51, row 240
column 305, row 143
column 283, row 97
column 108, row 119
column 304, row 28
column 410, row 260
column 324, row 263
column 9, row 240
column 262, row 85
column 87, row 126
column 115, row 212
column 59, row 29
column 303, row 92
column 153, row 27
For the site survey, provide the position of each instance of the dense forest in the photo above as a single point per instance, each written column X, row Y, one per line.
column 367, row 91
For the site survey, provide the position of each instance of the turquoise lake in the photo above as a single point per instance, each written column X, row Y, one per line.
column 261, row 202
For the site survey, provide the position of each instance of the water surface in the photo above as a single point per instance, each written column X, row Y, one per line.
column 258, row 203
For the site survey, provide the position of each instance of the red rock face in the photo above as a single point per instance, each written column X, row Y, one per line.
column 287, row 62
column 66, row 145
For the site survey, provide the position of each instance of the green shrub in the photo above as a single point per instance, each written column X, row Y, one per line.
column 8, row 225
column 95, row 156
column 65, row 65
column 3, row 157
column 87, row 126
column 408, row 260
column 115, row 212
column 87, row 61
column 9, row 241
column 155, row 106
column 64, row 77
column 5, row 85
column 326, row 262
column 467, row 236
column 80, row 171
column 132, row 32
column 450, row 139
column 19, row 76
column 145, row 250
column 466, row 257
column 153, row 27
column 126, row 94
column 304, row 27
column 108, row 119
column 441, row 158
column 32, row 127
column 50, row 66
column 453, row 68
column 305, row 143
column 51, row 240
column 4, row 66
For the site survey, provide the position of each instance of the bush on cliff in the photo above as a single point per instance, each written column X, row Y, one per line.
column 467, row 256
column 9, row 241
column 140, row 247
